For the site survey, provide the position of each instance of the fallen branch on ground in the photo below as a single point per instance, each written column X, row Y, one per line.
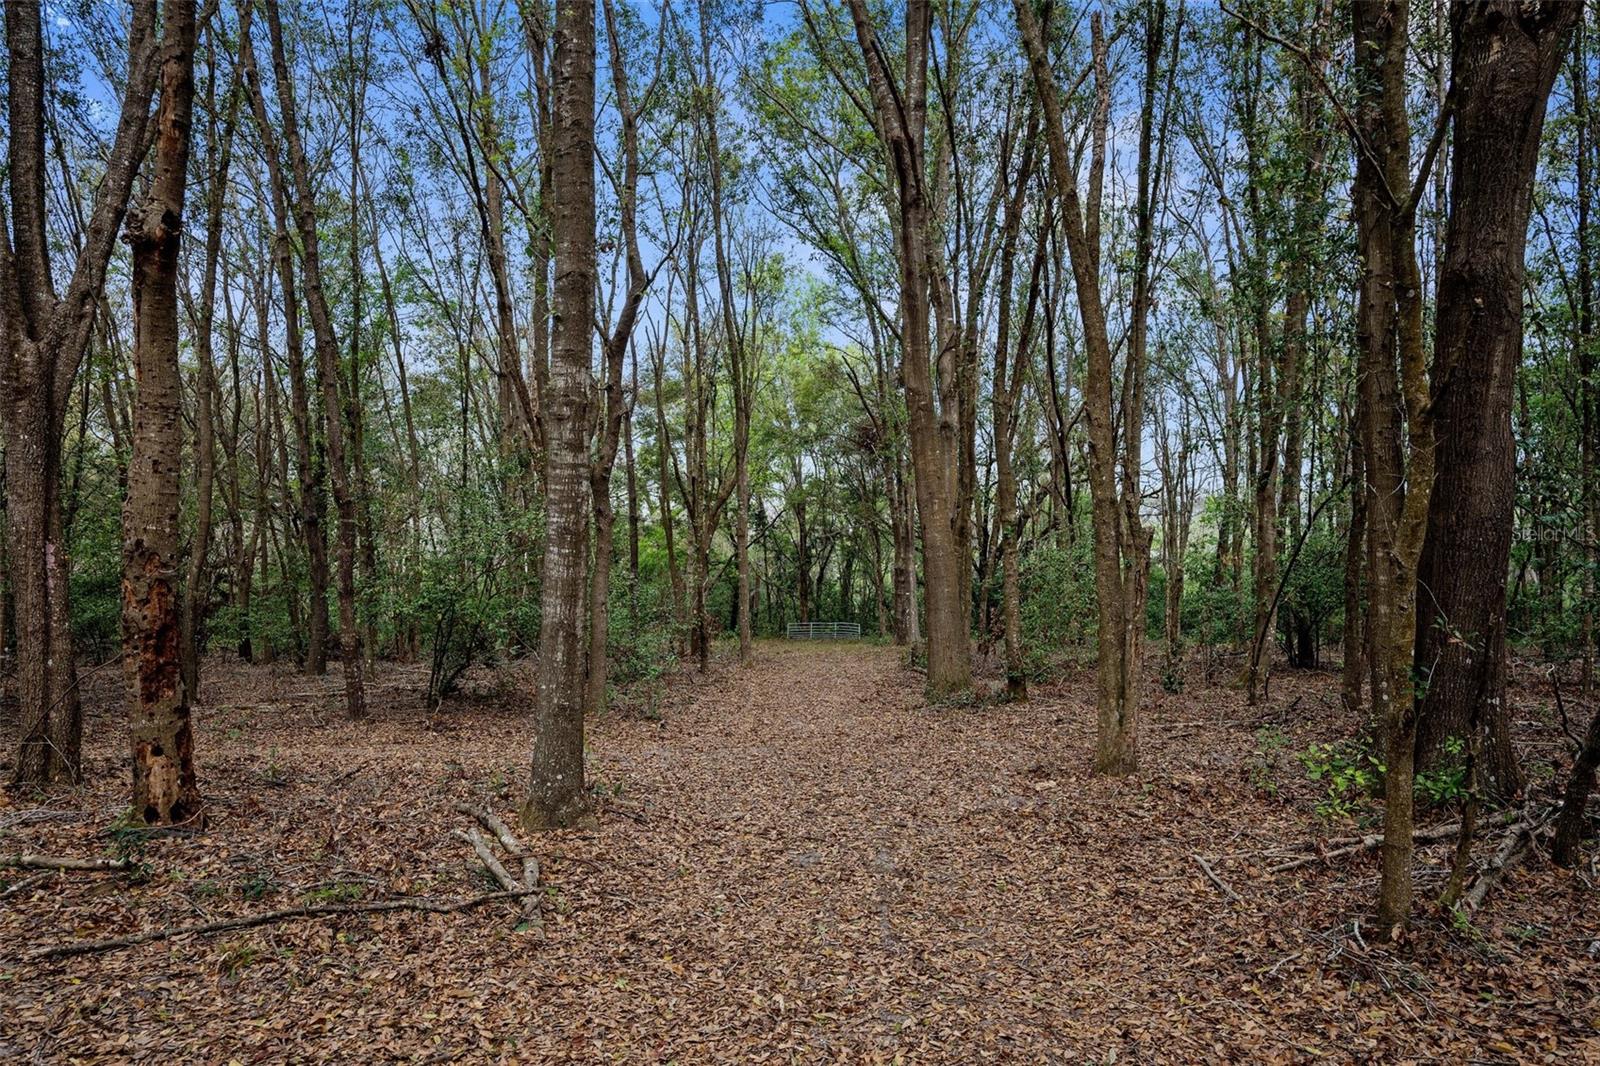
column 34, row 817
column 1513, row 846
column 1364, row 843
column 514, row 848
column 428, row 906
column 472, row 838
column 1219, row 882
column 25, row 884
column 53, row 862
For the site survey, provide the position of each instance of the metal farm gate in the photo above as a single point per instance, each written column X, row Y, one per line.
column 824, row 631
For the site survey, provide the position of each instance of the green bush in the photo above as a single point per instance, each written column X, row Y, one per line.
column 1058, row 604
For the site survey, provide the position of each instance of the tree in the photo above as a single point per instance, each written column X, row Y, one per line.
column 196, row 580
column 326, row 347
column 932, row 402
column 1504, row 62
column 1397, row 442
column 44, row 334
column 1010, row 373
column 1121, row 543
column 310, row 466
column 615, row 343
column 165, row 791
column 734, row 332
column 556, row 794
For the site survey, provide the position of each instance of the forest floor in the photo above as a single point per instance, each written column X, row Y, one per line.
column 803, row 862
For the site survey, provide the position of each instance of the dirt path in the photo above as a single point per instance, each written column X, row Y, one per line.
column 822, row 868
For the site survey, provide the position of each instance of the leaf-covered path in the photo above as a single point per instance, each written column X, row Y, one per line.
column 803, row 862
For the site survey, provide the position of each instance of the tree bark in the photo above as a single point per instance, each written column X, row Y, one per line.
column 1505, row 57
column 43, row 336
column 901, row 113
column 165, row 791
column 1397, row 437
column 556, row 795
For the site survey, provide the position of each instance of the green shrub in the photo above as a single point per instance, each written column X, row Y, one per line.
column 1352, row 772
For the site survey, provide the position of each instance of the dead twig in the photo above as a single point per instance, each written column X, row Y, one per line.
column 26, row 883
column 1515, row 844
column 427, row 906
column 1222, row 885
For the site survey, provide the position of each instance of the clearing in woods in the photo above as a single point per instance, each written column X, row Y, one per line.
column 803, row 861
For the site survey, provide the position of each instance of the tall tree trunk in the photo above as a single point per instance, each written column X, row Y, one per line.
column 1356, row 627
column 1121, row 544
column 1177, row 506
column 326, row 347
column 614, row 352
column 195, row 580
column 43, row 336
column 1505, row 57
column 556, row 793
column 631, row 473
column 1009, row 370
column 165, row 791
column 1397, row 438
column 664, row 491
column 734, row 337
column 309, row 504
column 1268, row 376
column 901, row 117
column 1587, row 134
column 352, row 410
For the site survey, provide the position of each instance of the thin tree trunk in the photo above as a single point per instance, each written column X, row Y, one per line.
column 1356, row 627
column 1121, row 544
column 195, row 581
column 901, row 115
column 1396, row 431
column 308, row 454
column 43, row 336
column 1009, row 369
column 326, row 347
column 614, row 352
column 165, row 791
